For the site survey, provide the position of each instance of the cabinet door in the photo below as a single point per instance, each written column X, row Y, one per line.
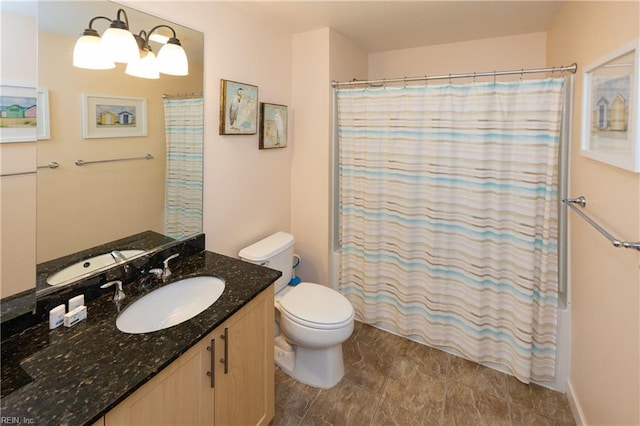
column 179, row 395
column 245, row 390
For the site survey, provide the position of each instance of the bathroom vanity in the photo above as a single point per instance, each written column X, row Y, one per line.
column 216, row 368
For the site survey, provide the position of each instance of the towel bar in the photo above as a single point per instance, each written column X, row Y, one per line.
column 582, row 201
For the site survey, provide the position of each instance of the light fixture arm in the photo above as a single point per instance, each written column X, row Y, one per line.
column 143, row 40
column 118, row 23
column 90, row 31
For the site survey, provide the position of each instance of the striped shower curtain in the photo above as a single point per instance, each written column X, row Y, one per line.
column 183, row 197
column 448, row 216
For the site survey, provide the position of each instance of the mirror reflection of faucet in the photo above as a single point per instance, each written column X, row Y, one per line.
column 118, row 257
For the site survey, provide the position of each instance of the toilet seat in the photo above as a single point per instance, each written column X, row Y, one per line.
column 316, row 306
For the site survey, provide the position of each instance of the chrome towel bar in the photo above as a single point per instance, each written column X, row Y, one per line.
column 17, row 174
column 582, row 201
column 82, row 162
column 51, row 165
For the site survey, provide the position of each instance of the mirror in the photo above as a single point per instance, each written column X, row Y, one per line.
column 127, row 191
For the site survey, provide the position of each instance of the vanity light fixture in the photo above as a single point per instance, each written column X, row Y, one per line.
column 118, row 44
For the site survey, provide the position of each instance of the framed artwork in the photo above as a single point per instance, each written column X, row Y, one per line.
column 113, row 116
column 610, row 111
column 238, row 108
column 273, row 125
column 43, row 125
column 18, row 113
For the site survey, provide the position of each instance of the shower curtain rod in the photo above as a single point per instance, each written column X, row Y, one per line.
column 183, row 95
column 570, row 68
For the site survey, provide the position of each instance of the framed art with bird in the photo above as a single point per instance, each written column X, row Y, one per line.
column 238, row 108
column 273, row 126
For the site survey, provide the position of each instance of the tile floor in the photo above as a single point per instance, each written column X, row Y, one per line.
column 393, row 381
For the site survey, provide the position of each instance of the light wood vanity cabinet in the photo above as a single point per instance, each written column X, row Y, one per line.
column 182, row 393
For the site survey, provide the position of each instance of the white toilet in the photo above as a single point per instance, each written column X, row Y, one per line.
column 312, row 320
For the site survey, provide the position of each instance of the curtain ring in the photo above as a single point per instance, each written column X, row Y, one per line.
column 426, row 80
column 405, row 82
column 384, row 83
column 474, row 77
column 449, row 78
column 521, row 74
column 494, row 76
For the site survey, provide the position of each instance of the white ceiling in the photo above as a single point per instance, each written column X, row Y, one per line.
column 388, row 25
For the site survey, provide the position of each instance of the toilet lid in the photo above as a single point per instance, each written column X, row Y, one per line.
column 317, row 304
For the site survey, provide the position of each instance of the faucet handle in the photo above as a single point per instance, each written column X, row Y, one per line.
column 166, row 261
column 119, row 294
column 167, row 272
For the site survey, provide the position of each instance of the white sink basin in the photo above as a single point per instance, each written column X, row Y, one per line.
column 87, row 266
column 170, row 305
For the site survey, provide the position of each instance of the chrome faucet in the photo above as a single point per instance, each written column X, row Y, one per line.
column 147, row 277
column 167, row 272
column 119, row 294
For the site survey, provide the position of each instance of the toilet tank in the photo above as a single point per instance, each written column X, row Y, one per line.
column 275, row 252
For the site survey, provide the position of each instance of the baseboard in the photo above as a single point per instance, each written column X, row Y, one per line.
column 574, row 404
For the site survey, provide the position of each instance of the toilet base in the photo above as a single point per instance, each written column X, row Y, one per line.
column 319, row 368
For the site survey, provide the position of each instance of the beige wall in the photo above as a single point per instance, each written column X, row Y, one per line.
column 500, row 53
column 310, row 164
column 319, row 57
column 17, row 193
column 247, row 191
column 72, row 213
column 605, row 282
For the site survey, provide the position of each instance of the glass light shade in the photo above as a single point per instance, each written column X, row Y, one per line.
column 172, row 60
column 120, row 45
column 146, row 67
column 88, row 54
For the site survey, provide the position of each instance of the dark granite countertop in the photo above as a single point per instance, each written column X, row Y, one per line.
column 75, row 375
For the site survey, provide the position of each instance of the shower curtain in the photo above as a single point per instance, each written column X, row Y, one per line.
column 183, row 196
column 448, row 216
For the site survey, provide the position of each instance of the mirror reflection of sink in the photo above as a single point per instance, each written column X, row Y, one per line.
column 86, row 266
column 170, row 305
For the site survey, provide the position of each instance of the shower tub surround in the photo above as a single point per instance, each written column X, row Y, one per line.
column 76, row 375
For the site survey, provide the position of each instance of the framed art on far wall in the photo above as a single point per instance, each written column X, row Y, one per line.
column 273, row 125
column 113, row 116
column 238, row 108
column 610, row 111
